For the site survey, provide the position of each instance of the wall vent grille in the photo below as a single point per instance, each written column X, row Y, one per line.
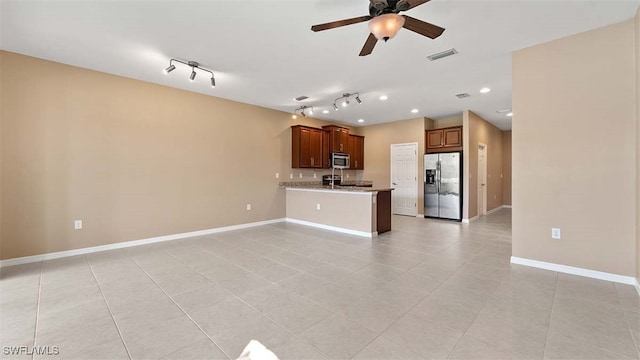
column 463, row 95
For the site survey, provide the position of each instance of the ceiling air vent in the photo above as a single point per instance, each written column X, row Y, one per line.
column 300, row 98
column 440, row 55
column 463, row 95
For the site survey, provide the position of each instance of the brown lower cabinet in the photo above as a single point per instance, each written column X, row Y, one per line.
column 306, row 149
column 383, row 211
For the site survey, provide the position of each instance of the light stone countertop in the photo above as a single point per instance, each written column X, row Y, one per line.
column 317, row 185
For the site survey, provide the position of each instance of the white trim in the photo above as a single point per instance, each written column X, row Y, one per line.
column 576, row 271
column 420, row 215
column 332, row 228
column 637, row 286
column 485, row 168
column 507, row 206
column 467, row 221
column 126, row 244
column 494, row 210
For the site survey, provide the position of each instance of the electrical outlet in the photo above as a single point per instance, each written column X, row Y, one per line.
column 347, row 176
column 300, row 175
column 77, row 225
column 315, row 176
column 248, row 207
column 555, row 233
column 277, row 175
column 317, row 206
column 290, row 176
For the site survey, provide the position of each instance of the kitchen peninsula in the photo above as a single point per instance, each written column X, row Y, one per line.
column 357, row 210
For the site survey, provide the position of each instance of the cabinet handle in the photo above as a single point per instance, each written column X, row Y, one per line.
column 312, row 161
column 356, row 163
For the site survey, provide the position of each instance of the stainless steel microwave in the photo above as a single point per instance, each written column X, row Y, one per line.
column 340, row 160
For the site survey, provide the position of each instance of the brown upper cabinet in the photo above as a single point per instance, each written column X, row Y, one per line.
column 306, row 149
column 338, row 138
column 446, row 139
column 356, row 151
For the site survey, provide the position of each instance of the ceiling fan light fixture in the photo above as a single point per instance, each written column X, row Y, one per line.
column 385, row 27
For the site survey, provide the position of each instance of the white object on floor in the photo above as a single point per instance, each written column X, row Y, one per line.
column 256, row 351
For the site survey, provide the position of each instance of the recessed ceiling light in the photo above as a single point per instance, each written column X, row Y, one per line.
column 510, row 114
column 325, row 111
column 415, row 111
column 383, row 97
column 485, row 90
column 360, row 120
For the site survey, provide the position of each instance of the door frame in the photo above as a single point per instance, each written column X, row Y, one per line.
column 483, row 210
column 417, row 172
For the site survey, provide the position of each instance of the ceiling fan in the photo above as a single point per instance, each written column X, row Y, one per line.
column 385, row 22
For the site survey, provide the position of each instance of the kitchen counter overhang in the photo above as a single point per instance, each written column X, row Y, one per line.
column 362, row 211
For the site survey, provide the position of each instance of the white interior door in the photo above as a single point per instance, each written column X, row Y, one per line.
column 404, row 179
column 482, row 179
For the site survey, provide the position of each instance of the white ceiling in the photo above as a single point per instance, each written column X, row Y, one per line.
column 264, row 53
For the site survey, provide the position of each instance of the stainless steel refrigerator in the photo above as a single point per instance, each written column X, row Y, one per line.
column 443, row 185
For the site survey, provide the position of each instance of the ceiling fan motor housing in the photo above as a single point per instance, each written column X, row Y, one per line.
column 380, row 7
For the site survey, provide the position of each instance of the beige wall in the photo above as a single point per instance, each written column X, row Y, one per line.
column 506, row 167
column 478, row 131
column 637, row 44
column 448, row 122
column 336, row 208
column 377, row 149
column 571, row 170
column 133, row 160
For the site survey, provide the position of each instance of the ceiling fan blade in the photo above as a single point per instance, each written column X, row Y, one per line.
column 339, row 23
column 368, row 45
column 414, row 3
column 422, row 28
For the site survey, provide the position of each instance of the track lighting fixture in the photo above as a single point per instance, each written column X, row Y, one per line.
column 194, row 66
column 345, row 100
column 301, row 110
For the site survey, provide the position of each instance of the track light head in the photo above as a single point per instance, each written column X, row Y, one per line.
column 303, row 114
column 169, row 69
column 335, row 107
column 345, row 103
column 358, row 99
column 213, row 82
column 311, row 111
column 193, row 75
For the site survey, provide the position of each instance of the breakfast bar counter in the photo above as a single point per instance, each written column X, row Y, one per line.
column 357, row 210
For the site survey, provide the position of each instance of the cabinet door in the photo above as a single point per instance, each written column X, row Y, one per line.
column 305, row 148
column 435, row 139
column 452, row 137
column 326, row 150
column 315, row 148
column 356, row 151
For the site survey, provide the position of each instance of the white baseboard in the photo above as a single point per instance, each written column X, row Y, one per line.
column 420, row 215
column 495, row 209
column 507, row 206
column 332, row 228
column 637, row 286
column 467, row 221
column 629, row 280
column 126, row 244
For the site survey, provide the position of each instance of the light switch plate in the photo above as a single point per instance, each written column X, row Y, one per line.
column 556, row 233
column 77, row 225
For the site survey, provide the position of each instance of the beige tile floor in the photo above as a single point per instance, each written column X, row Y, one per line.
column 427, row 290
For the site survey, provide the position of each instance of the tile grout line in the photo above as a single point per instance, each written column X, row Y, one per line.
column 35, row 330
column 104, row 298
column 251, row 306
column 178, row 305
column 553, row 305
column 636, row 342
